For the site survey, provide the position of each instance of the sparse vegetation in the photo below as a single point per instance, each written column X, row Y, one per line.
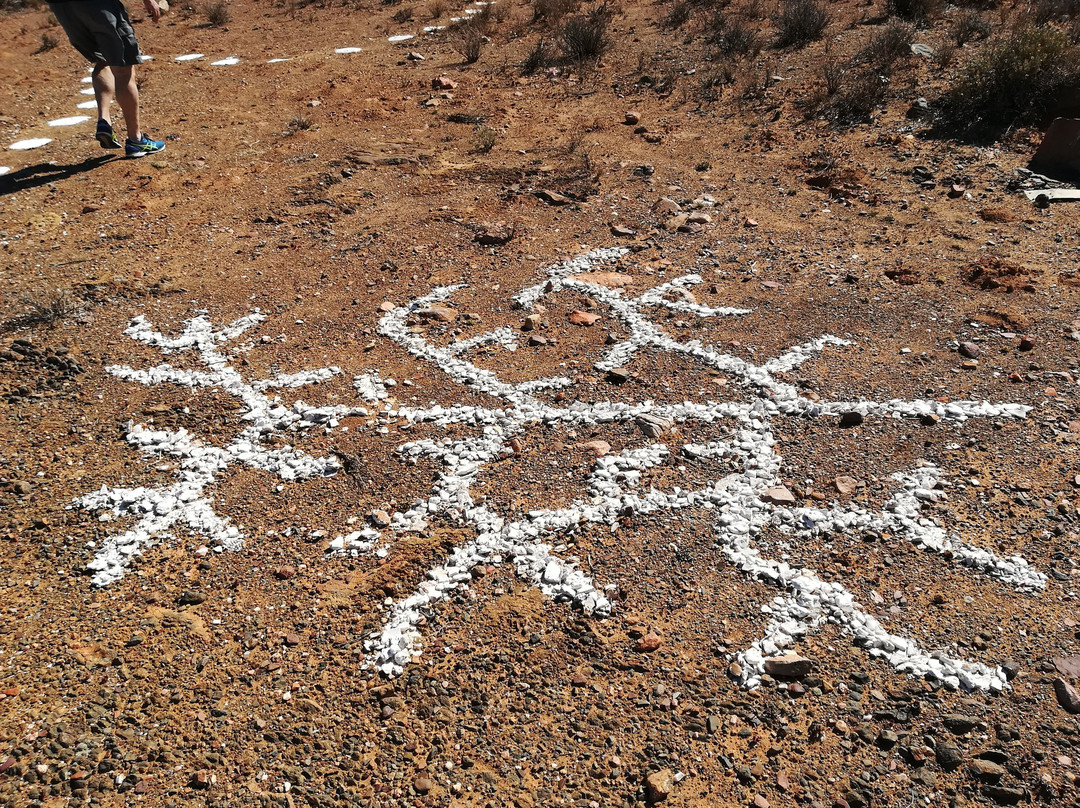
column 800, row 22
column 48, row 42
column 551, row 11
column 468, row 40
column 484, row 140
column 539, row 57
column 11, row 6
column 584, row 38
column 970, row 25
column 217, row 14
column 734, row 37
column 919, row 12
column 48, row 308
column 403, row 15
column 1046, row 11
column 1025, row 77
column 300, row 123
column 888, row 46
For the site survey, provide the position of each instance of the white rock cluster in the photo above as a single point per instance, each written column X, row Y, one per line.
column 806, row 601
column 159, row 510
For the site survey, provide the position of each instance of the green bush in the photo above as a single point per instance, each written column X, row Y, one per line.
column 1027, row 77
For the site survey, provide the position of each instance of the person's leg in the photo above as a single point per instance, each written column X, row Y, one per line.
column 127, row 96
column 104, row 91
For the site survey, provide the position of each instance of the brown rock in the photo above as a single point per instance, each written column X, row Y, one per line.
column 531, row 322
column 597, row 447
column 621, row 231
column 760, row 801
column 778, row 496
column 1069, row 666
column 846, row 485
column 386, row 306
column 1067, row 696
column 285, row 573
column 676, row 221
column 618, row 375
column 443, row 83
column 788, row 666
column 292, row 639
column 658, row 786
column 1027, row 342
column 632, row 118
column 583, row 318
column 986, row 770
column 968, row 350
column 649, row 643
column 552, row 197
column 423, row 784
column 440, row 314
column 666, row 206
column 748, row 222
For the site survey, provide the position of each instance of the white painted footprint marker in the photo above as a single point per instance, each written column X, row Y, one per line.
column 228, row 60
column 32, row 143
column 348, row 50
column 87, row 91
column 86, row 79
column 86, row 105
column 275, row 61
column 400, row 37
column 4, row 170
column 188, row 57
column 72, row 121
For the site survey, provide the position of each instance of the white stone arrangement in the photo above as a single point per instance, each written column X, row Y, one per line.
column 739, row 501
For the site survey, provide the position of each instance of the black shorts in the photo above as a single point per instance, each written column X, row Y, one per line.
column 100, row 30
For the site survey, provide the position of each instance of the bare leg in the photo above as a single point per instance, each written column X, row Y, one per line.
column 127, row 95
column 104, row 91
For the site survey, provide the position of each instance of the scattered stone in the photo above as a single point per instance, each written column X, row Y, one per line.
column 887, row 739
column 583, row 318
column 788, row 666
column 653, row 426
column 386, row 306
column 666, row 206
column 1027, row 342
column 986, row 771
column 552, row 197
column 192, row 597
column 618, row 375
column 621, row 231
column 969, row 350
column 609, row 280
column 1067, row 696
column 1011, row 668
column 1069, row 666
column 443, row 83
column 846, row 485
column 659, row 785
column 750, row 223
column 1003, row 795
column 598, row 447
column 760, row 801
column 423, row 784
column 632, row 118
column 494, row 234
column 649, row 643
column 956, row 191
column 440, row 314
column 536, row 341
column 285, row 573
column 531, row 322
column 292, row 640
column 960, row 724
column 924, row 51
column 851, row 418
column 779, row 495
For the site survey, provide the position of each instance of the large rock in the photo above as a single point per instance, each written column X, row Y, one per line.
column 658, row 786
column 788, row 666
column 1067, row 696
column 1059, row 153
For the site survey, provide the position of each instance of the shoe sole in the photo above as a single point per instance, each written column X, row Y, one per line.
column 136, row 155
column 108, row 141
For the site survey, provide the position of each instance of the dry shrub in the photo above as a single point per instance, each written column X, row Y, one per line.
column 551, row 11
column 217, row 14
column 48, row 42
column 47, row 307
column 539, row 57
column 403, row 15
column 917, row 11
column 468, row 40
column 1025, row 77
column 800, row 22
column 437, row 9
column 484, row 139
column 11, row 6
column 584, row 38
column 970, row 25
column 888, row 46
column 1046, row 11
column 734, row 36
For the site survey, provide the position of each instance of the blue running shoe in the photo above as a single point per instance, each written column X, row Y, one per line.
column 106, row 136
column 143, row 147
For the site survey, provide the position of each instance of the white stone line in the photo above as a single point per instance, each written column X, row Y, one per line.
column 807, row 601
column 348, row 50
column 189, row 57
column 87, row 105
column 278, row 60
column 400, row 38
column 31, row 143
column 226, row 62
column 71, row 121
column 184, row 502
